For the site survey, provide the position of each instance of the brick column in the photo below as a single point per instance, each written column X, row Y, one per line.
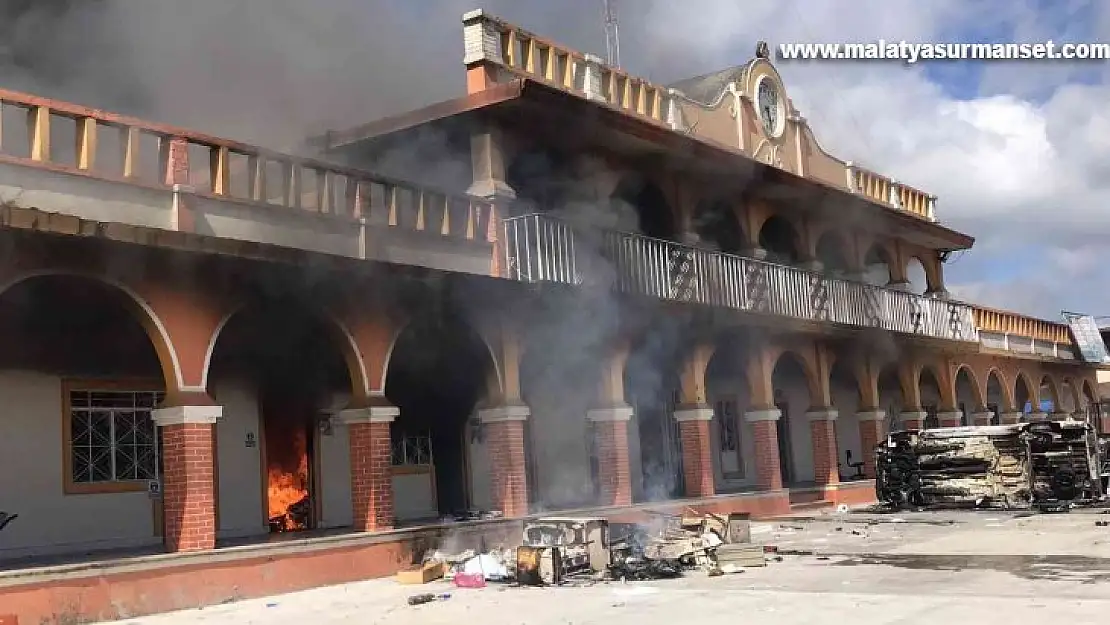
column 981, row 418
column 504, row 436
column 610, row 431
column 1009, row 418
column 697, row 450
column 951, row 419
column 371, row 462
column 188, row 475
column 822, row 429
column 913, row 419
column 1104, row 423
column 870, row 435
column 765, row 437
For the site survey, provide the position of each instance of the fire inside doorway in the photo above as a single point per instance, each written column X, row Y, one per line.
column 282, row 353
column 290, row 454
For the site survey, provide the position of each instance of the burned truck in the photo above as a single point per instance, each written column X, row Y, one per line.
column 1045, row 465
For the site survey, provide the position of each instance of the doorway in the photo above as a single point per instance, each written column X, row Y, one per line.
column 660, row 447
column 289, row 461
column 786, row 452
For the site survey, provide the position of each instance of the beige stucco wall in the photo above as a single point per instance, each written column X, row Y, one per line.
column 335, row 477
column 239, row 469
column 31, row 481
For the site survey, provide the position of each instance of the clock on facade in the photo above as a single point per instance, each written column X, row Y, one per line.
column 769, row 106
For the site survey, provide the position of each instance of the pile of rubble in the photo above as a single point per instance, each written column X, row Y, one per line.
column 562, row 550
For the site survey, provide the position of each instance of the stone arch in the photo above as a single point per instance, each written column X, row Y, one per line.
column 718, row 226
column 845, row 368
column 728, row 354
column 140, row 310
column 1023, row 392
column 933, row 386
column 776, row 355
column 1004, row 391
column 965, row 379
column 1088, row 393
column 917, row 275
column 781, row 239
column 367, row 379
column 1070, row 392
column 1053, row 392
column 834, row 251
column 642, row 206
column 878, row 265
column 929, row 265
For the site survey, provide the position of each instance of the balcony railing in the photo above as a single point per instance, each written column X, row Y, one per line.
column 539, row 248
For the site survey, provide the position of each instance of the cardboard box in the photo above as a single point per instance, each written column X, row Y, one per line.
column 429, row 572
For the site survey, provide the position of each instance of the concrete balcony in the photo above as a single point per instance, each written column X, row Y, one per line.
column 88, row 164
column 539, row 248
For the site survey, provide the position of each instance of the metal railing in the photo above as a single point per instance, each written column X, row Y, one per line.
column 539, row 248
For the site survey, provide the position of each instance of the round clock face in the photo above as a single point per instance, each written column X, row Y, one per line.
column 770, row 107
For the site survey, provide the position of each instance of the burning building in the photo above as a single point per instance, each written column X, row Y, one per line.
column 567, row 288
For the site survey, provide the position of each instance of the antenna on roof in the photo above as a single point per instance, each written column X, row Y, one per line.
column 612, row 34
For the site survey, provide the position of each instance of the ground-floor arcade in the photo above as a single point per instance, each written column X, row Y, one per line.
column 158, row 398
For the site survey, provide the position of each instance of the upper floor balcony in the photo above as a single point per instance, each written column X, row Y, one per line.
column 102, row 167
column 539, row 248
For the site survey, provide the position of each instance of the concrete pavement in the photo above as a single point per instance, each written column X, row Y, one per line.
column 958, row 567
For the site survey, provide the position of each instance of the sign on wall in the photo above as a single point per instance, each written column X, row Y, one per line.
column 1088, row 339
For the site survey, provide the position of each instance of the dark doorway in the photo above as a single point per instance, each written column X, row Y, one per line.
column 437, row 375
column 786, row 454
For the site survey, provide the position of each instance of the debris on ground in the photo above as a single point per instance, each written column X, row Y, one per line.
column 1047, row 466
column 427, row 597
column 587, row 550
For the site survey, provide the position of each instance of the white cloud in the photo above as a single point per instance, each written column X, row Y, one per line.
column 1023, row 176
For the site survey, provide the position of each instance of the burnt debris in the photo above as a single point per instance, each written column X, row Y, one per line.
column 1045, row 465
column 562, row 550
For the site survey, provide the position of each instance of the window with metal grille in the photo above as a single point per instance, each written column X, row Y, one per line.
column 412, row 450
column 112, row 437
column 728, row 436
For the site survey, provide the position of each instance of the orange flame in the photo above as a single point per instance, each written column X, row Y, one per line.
column 287, row 482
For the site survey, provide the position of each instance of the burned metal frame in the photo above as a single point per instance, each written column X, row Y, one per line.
column 1044, row 465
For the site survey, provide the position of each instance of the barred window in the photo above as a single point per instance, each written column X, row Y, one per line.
column 112, row 438
column 726, row 414
column 412, row 450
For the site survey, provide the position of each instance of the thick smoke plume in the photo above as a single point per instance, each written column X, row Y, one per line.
column 264, row 71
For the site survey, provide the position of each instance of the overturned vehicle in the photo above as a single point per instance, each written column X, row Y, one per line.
column 1047, row 465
